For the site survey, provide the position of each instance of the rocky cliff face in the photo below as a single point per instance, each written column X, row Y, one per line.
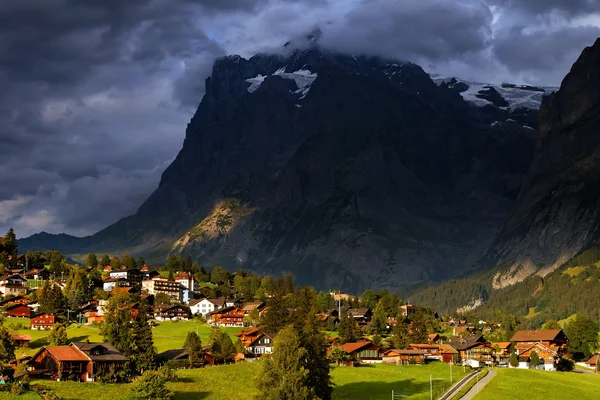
column 349, row 171
column 557, row 213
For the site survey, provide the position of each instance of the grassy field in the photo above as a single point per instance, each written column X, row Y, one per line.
column 167, row 335
column 237, row 381
column 534, row 385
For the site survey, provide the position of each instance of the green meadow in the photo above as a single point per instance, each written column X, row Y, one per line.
column 541, row 385
column 237, row 381
column 167, row 335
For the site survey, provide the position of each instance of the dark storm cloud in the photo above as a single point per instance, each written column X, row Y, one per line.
column 543, row 52
column 431, row 29
column 570, row 7
column 96, row 94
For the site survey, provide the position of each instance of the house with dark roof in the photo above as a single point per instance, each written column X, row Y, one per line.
column 182, row 354
column 473, row 350
column 263, row 344
column 79, row 361
column 19, row 310
column 248, row 336
column 361, row 315
column 253, row 305
column 364, row 351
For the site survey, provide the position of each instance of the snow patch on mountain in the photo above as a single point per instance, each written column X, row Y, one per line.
column 303, row 78
column 516, row 95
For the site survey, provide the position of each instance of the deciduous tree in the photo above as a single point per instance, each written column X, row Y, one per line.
column 583, row 337
column 58, row 335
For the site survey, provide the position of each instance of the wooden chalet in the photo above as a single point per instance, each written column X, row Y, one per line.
column 80, row 361
column 43, row 321
column 253, row 305
column 102, row 356
column 403, row 356
column 19, row 310
column 182, row 354
column 473, row 350
column 171, row 313
column 360, row 315
column 364, row 351
column 501, row 352
column 41, row 274
column 228, row 316
column 554, row 339
column 21, row 340
column 548, row 357
column 248, row 335
column 263, row 344
column 15, row 300
column 60, row 362
column 439, row 352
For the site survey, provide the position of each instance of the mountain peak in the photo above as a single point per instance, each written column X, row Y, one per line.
column 578, row 94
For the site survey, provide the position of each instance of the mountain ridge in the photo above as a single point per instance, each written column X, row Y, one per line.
column 371, row 163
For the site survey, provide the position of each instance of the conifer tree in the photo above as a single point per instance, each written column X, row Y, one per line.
column 92, row 260
column 419, row 328
column 513, row 360
column 316, row 362
column 7, row 347
column 282, row 375
column 58, row 335
column 534, row 359
column 128, row 261
column 348, row 329
column 187, row 264
column 378, row 322
column 221, row 346
column 104, row 261
column 11, row 247
column 277, row 316
column 143, row 352
column 193, row 346
column 401, row 335
column 141, row 262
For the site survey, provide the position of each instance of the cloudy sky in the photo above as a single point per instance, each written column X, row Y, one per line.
column 95, row 94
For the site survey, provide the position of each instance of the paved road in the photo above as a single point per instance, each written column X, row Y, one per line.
column 477, row 388
column 458, row 387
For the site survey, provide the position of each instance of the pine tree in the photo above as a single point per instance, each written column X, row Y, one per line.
column 141, row 261
column 282, row 375
column 378, row 322
column 513, row 360
column 128, row 261
column 401, row 335
column 7, row 347
column 187, row 264
column 115, row 263
column 316, row 362
column 52, row 300
column 348, row 329
column 11, row 247
column 221, row 346
column 143, row 352
column 193, row 346
column 92, row 260
column 277, row 316
column 419, row 328
column 58, row 335
column 104, row 261
column 171, row 277
column 534, row 359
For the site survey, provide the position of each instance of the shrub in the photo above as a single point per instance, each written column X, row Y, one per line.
column 167, row 373
column 17, row 388
column 151, row 385
column 177, row 364
column 565, row 365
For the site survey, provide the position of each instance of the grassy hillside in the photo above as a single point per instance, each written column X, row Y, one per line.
column 167, row 335
column 569, row 290
column 540, row 385
column 237, row 382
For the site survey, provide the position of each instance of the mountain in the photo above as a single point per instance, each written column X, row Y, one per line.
column 545, row 261
column 350, row 171
column 557, row 214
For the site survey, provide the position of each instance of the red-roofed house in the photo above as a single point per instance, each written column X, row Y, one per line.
column 19, row 310
column 593, row 362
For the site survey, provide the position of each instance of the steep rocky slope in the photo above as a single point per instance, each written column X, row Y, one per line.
column 557, row 213
column 348, row 171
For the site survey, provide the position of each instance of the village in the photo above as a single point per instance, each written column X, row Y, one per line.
column 117, row 320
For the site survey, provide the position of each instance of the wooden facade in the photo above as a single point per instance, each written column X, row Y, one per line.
column 43, row 321
column 228, row 316
column 19, row 310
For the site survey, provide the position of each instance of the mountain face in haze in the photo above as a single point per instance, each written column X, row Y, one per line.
column 557, row 213
column 349, row 171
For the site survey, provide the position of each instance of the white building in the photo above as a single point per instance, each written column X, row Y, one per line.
column 205, row 306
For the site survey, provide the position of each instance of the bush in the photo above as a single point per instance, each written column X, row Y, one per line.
column 565, row 365
column 151, row 385
column 167, row 373
column 18, row 326
column 17, row 388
